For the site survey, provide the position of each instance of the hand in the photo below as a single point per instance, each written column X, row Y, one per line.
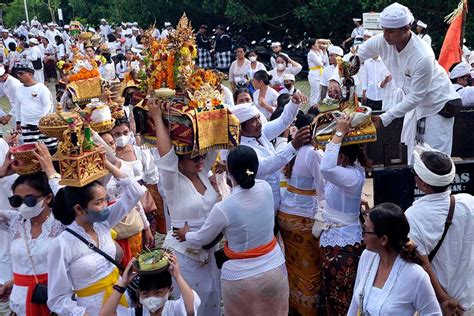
column 343, row 124
column 44, row 158
column 452, row 307
column 220, row 167
column 128, row 274
column 334, row 90
column 5, row 119
column 174, row 269
column 299, row 98
column 364, row 100
column 148, row 237
column 6, row 168
column 261, row 102
column 12, row 139
column 180, row 234
column 18, row 128
column 302, row 137
column 377, row 121
column 388, row 79
column 154, row 109
column 364, row 205
column 5, row 291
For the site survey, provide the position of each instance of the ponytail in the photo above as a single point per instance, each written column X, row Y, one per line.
column 410, row 254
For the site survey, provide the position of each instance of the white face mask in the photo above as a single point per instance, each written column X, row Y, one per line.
column 30, row 212
column 154, row 303
column 253, row 58
column 123, row 140
column 281, row 66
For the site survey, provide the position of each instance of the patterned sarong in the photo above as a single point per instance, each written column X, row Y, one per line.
column 303, row 262
column 339, row 272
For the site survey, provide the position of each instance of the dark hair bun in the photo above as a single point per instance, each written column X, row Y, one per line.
column 242, row 163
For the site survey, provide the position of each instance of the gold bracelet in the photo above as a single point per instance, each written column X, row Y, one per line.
column 158, row 122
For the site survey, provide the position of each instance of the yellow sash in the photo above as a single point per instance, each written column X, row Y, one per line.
column 320, row 68
column 103, row 285
column 292, row 189
column 283, row 184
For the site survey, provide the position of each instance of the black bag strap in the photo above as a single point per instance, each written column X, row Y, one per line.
column 93, row 247
column 449, row 220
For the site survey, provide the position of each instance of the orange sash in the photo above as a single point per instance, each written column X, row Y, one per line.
column 30, row 282
column 250, row 253
column 292, row 189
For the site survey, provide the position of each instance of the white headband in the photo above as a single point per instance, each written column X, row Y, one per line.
column 427, row 175
column 460, row 70
column 245, row 112
column 423, row 25
column 395, row 16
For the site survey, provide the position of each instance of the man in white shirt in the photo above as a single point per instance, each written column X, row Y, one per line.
column 421, row 32
column 328, row 71
column 8, row 87
column 6, row 38
column 34, row 100
column 23, row 29
column 430, row 102
column 259, row 137
column 289, row 83
column 51, row 33
column 460, row 75
column 357, row 31
column 373, row 76
column 105, row 28
column 451, row 269
column 166, row 31
column 35, row 56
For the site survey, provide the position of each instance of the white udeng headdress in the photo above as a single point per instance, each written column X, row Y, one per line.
column 427, row 175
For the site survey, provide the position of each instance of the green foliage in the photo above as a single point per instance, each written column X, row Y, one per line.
column 319, row 18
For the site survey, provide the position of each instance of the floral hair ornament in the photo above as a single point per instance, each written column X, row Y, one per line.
column 249, row 173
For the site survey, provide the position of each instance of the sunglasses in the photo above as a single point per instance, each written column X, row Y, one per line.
column 30, row 200
column 197, row 158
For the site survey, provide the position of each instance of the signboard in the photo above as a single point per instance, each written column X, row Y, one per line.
column 397, row 184
column 371, row 21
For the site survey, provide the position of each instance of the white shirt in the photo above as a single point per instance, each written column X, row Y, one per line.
column 317, row 58
column 247, row 218
column 194, row 209
column 258, row 66
column 105, row 30
column 358, row 31
column 271, row 161
column 176, row 307
column 228, row 96
column 425, row 82
column 426, row 38
column 270, row 97
column 51, row 35
column 327, row 74
column 343, row 191
column 374, row 73
column 278, row 79
column 305, row 175
column 8, row 89
column 15, row 225
column 33, row 103
column 466, row 94
column 72, row 265
column 453, row 264
column 407, row 289
column 238, row 73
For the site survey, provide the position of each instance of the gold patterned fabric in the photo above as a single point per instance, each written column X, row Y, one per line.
column 303, row 262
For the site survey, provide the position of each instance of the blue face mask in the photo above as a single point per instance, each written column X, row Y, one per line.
column 97, row 217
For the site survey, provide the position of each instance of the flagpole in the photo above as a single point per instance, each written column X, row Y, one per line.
column 463, row 28
column 26, row 13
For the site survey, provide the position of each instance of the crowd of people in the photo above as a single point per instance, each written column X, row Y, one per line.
column 297, row 238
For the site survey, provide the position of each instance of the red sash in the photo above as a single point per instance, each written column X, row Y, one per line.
column 30, row 282
column 250, row 253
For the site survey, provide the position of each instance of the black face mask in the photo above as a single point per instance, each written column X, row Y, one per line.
column 288, row 86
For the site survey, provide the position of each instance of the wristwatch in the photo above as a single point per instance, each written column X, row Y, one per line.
column 339, row 134
column 119, row 288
